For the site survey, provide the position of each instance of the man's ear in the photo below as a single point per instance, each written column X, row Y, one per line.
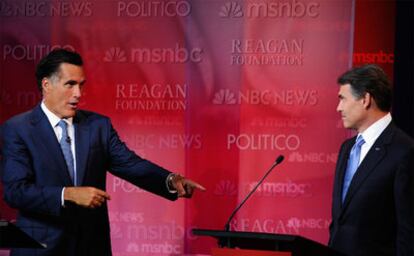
column 45, row 85
column 367, row 100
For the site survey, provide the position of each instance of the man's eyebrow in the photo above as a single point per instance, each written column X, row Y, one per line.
column 73, row 82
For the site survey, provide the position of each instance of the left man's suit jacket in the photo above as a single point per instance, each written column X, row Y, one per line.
column 35, row 171
column 377, row 215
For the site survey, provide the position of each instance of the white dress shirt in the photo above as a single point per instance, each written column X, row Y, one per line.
column 372, row 133
column 54, row 120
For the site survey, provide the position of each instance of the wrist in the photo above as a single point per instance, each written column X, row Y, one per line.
column 170, row 181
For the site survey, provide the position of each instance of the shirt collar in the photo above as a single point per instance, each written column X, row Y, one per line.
column 54, row 119
column 371, row 134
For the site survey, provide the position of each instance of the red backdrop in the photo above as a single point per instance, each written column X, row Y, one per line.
column 215, row 90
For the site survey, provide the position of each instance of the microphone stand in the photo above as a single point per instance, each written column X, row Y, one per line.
column 278, row 161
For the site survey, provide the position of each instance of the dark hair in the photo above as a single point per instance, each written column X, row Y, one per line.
column 369, row 79
column 50, row 64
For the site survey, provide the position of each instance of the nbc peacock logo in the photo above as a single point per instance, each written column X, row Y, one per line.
column 224, row 96
column 226, row 188
column 115, row 54
column 231, row 10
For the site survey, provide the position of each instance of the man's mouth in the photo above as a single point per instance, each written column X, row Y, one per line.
column 73, row 105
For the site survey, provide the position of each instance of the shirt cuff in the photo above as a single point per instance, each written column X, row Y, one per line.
column 62, row 198
column 168, row 181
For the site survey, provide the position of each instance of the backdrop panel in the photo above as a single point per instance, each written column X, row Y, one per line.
column 215, row 90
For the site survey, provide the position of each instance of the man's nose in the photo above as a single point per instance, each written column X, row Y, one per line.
column 338, row 108
column 77, row 92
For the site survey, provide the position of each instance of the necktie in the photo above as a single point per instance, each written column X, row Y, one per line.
column 65, row 142
column 353, row 163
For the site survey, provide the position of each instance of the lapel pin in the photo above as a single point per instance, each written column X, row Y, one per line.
column 377, row 149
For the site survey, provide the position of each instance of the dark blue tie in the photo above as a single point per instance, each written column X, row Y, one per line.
column 353, row 163
column 65, row 142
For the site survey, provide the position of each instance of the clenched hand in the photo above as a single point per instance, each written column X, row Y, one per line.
column 88, row 197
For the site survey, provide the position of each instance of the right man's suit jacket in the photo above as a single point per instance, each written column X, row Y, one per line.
column 35, row 171
column 377, row 215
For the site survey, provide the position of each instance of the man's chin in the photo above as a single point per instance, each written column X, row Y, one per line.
column 349, row 127
column 346, row 126
column 70, row 114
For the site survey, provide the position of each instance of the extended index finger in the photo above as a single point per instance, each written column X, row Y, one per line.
column 196, row 185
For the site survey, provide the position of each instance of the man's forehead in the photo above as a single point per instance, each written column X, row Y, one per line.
column 69, row 66
column 69, row 70
column 344, row 88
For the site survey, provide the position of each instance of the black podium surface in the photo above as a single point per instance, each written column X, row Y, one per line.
column 12, row 237
column 297, row 245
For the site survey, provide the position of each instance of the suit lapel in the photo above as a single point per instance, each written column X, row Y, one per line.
column 340, row 173
column 82, row 145
column 367, row 166
column 44, row 135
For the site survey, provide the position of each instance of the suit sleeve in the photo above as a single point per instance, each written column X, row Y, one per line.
column 125, row 164
column 404, row 204
column 20, row 188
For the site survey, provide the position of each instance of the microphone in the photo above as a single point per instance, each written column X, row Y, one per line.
column 279, row 159
column 68, row 140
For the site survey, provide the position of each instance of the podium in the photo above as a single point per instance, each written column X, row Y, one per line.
column 295, row 245
column 12, row 237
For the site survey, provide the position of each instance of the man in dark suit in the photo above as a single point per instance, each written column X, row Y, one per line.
column 55, row 159
column 373, row 195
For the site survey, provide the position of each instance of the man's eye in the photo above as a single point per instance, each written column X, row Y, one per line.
column 70, row 84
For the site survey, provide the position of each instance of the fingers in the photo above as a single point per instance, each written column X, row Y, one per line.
column 88, row 197
column 103, row 194
column 185, row 187
column 98, row 198
column 196, row 185
column 179, row 186
column 190, row 186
